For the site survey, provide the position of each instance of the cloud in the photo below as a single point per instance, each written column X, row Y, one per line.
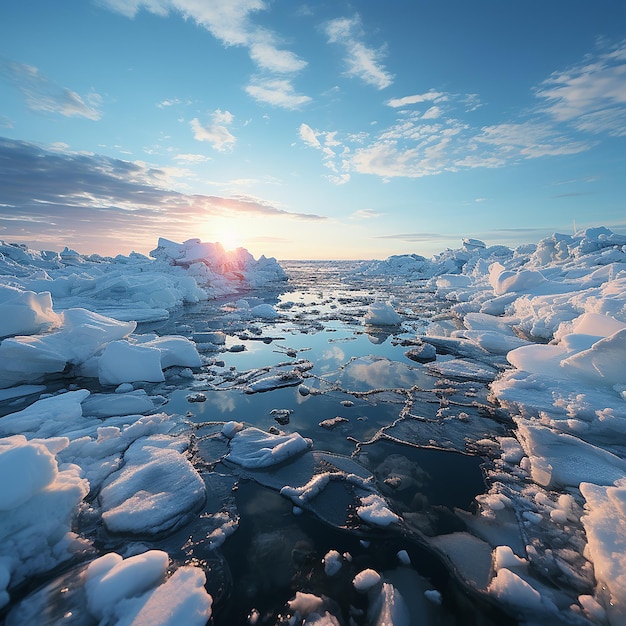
column 591, row 96
column 192, row 158
column 268, row 57
column 430, row 96
column 432, row 113
column 362, row 62
column 330, row 159
column 366, row 214
column 277, row 92
column 59, row 196
column 170, row 102
column 307, row 134
column 216, row 133
column 530, row 139
column 43, row 95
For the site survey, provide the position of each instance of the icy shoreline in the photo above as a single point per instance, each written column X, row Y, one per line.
column 543, row 327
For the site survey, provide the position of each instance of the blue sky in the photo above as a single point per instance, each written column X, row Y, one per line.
column 310, row 130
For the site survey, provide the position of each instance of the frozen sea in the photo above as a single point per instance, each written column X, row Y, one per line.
column 207, row 438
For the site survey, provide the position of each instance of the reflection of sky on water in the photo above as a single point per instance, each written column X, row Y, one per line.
column 373, row 372
column 328, row 348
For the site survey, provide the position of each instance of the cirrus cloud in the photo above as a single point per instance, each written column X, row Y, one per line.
column 362, row 61
column 43, row 95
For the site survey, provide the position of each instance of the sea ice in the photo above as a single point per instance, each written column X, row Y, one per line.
column 154, row 490
column 381, row 314
column 135, row 591
column 254, row 448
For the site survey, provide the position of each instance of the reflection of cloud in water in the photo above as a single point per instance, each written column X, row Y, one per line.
column 376, row 373
column 335, row 353
column 223, row 403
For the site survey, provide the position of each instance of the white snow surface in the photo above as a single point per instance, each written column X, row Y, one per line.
column 136, row 591
column 254, row 448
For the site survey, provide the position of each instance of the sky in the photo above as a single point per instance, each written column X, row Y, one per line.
column 322, row 130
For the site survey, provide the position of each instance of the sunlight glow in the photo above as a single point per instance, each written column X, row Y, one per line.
column 231, row 240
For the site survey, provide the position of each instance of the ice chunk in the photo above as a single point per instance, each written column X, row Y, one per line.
column 26, row 469
column 110, row 579
column 254, row 448
column 559, row 459
column 265, row 311
column 175, row 350
column 605, row 526
column 366, row 580
column 507, row 281
column 230, row 429
column 108, row 405
column 602, row 364
column 38, row 503
column 381, row 314
column 25, row 312
column 122, row 362
column 181, row 599
column 463, row 368
column 46, row 417
column 154, row 490
column 374, row 511
column 508, row 587
column 332, row 562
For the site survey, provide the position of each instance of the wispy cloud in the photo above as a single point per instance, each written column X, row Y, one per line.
column 52, row 194
column 430, row 96
column 362, row 61
column 529, row 139
column 268, row 57
column 591, row 96
column 43, row 95
column 366, row 214
column 170, row 102
column 192, row 158
column 432, row 134
column 326, row 142
column 278, row 92
column 216, row 132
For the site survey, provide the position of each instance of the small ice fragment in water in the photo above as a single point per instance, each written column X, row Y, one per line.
column 333, row 422
column 365, row 580
column 381, row 314
column 403, row 557
column 433, row 596
column 422, row 354
column 332, row 562
column 230, row 429
column 196, row 397
column 374, row 510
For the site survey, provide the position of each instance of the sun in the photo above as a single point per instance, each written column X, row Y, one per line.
column 231, row 240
